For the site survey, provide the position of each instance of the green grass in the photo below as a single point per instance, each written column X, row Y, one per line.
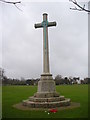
column 0, row 102
column 15, row 94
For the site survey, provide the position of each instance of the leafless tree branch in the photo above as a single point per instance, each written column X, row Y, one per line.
column 80, row 8
column 12, row 2
column 17, row 7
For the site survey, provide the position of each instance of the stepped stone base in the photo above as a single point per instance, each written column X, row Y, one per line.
column 46, row 103
column 46, row 96
column 52, row 99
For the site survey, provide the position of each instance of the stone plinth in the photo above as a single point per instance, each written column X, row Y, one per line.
column 46, row 87
column 46, row 96
column 46, row 84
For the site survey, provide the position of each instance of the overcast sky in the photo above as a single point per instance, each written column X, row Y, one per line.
column 22, row 44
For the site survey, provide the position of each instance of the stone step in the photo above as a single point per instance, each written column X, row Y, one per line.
column 55, row 104
column 51, row 99
column 46, row 94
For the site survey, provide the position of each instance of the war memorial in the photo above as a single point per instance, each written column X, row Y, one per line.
column 46, row 96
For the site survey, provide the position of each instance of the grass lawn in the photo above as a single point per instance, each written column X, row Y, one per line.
column 15, row 94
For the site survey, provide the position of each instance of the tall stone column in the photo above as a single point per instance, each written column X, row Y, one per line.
column 45, row 45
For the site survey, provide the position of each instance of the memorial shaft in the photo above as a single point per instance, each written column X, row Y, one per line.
column 45, row 45
column 45, row 24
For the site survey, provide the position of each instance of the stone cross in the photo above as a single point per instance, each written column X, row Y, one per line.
column 45, row 24
column 46, row 95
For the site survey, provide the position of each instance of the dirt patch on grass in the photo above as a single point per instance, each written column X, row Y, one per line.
column 21, row 107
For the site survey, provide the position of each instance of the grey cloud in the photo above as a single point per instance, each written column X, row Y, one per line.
column 22, row 43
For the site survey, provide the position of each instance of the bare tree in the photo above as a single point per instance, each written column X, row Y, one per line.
column 79, row 7
column 12, row 2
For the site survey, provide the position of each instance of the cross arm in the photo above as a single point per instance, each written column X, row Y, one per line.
column 38, row 25
column 52, row 24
